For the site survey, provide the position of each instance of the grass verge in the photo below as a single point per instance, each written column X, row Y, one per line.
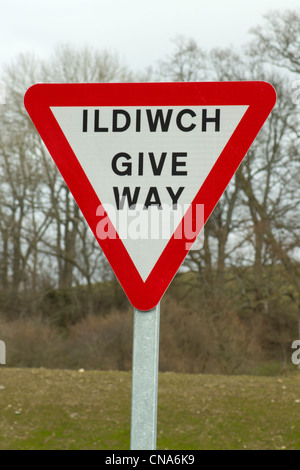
column 63, row 409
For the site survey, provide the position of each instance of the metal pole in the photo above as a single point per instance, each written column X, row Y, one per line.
column 144, row 379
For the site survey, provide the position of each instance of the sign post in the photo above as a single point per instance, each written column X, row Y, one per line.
column 140, row 158
column 144, row 379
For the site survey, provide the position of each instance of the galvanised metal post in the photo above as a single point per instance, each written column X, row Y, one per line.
column 145, row 379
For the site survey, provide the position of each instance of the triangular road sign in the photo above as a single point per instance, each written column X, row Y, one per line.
column 147, row 163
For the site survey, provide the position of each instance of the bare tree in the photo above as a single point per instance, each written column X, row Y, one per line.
column 250, row 229
column 277, row 41
column 41, row 224
column 186, row 64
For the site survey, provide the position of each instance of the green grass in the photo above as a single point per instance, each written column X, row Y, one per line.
column 62, row 409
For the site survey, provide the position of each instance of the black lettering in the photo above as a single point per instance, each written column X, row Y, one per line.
column 176, row 163
column 126, row 165
column 96, row 123
column 174, row 196
column 138, row 120
column 157, row 168
column 153, row 193
column 131, row 199
column 141, row 164
column 84, row 120
column 116, row 113
column 215, row 119
column 179, row 120
column 159, row 117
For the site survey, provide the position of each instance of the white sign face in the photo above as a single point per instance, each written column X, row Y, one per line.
column 147, row 163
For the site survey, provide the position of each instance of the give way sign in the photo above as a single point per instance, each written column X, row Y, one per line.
column 147, row 163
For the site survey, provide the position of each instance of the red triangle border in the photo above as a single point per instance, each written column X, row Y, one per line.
column 260, row 97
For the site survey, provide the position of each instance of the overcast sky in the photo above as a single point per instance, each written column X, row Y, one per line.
column 140, row 31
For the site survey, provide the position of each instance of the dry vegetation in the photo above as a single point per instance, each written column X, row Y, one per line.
column 196, row 335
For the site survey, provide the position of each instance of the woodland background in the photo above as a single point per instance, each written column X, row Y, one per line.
column 234, row 307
